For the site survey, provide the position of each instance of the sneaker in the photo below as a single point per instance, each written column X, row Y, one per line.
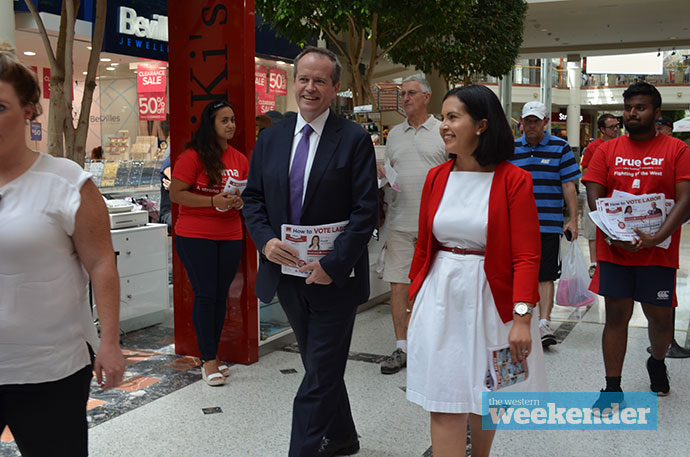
column 547, row 336
column 592, row 269
column 658, row 379
column 395, row 362
column 608, row 403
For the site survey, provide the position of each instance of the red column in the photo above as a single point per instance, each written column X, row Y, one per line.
column 211, row 58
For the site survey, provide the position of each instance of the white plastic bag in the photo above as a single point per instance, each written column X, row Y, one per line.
column 573, row 287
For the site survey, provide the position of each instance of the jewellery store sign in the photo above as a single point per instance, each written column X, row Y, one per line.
column 137, row 28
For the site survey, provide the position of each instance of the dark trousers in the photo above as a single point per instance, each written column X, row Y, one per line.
column 48, row 418
column 323, row 329
column 211, row 266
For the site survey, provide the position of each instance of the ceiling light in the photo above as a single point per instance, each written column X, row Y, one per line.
column 544, row 30
column 115, row 63
column 280, row 62
column 110, row 68
column 89, row 48
column 29, row 53
column 105, row 59
column 84, row 72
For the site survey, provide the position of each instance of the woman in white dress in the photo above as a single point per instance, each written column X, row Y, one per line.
column 474, row 273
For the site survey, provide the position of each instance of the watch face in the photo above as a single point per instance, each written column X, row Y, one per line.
column 521, row 309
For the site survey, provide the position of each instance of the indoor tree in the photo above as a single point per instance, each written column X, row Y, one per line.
column 361, row 31
column 485, row 40
column 61, row 127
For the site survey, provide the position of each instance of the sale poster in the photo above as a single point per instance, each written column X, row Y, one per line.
column 265, row 103
column 151, row 82
column 151, row 77
column 277, row 82
column 260, row 79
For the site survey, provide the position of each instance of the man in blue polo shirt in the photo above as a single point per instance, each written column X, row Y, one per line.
column 554, row 170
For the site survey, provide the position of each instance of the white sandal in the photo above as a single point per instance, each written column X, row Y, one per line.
column 224, row 370
column 214, row 379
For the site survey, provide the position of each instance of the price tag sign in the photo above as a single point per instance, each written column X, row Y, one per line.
column 152, row 106
column 277, row 83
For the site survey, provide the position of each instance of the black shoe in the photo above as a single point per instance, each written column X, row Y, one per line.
column 608, row 403
column 332, row 448
column 658, row 379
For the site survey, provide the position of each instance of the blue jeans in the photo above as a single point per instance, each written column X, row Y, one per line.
column 211, row 266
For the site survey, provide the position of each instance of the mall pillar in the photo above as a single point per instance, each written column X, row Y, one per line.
column 573, row 121
column 7, row 22
column 545, row 89
column 212, row 58
column 505, row 92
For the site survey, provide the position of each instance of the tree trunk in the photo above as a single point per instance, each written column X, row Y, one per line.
column 64, row 138
column 78, row 150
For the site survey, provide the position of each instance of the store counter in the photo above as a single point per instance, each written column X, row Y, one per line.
column 142, row 263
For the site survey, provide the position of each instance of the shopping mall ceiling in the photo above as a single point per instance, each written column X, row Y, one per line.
column 553, row 28
column 556, row 28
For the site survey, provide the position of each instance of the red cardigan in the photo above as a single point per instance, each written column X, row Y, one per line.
column 513, row 245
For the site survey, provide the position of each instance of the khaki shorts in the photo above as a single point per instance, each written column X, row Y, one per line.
column 589, row 228
column 399, row 252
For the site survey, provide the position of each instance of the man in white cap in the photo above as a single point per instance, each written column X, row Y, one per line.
column 554, row 170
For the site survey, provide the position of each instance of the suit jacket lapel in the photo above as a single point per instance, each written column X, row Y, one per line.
column 327, row 145
column 282, row 162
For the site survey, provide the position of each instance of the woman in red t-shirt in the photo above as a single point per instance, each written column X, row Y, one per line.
column 208, row 228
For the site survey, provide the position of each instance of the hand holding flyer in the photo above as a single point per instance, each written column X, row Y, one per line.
column 312, row 243
column 622, row 213
column 503, row 371
column 231, row 187
column 391, row 175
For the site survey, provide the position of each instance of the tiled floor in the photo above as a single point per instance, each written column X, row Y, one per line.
column 164, row 409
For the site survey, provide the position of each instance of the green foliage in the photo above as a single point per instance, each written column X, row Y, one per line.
column 485, row 39
column 362, row 31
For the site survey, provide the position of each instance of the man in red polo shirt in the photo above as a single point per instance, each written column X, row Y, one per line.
column 642, row 162
column 608, row 126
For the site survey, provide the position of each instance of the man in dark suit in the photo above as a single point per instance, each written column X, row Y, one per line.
column 316, row 168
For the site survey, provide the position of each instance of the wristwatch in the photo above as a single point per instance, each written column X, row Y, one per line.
column 521, row 308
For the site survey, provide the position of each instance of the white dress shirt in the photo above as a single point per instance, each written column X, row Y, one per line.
column 317, row 124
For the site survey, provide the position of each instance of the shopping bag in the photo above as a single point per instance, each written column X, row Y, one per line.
column 573, row 287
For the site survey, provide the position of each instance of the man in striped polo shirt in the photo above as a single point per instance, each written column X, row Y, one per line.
column 554, row 170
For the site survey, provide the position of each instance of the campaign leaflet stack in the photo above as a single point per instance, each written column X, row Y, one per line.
column 312, row 242
column 503, row 371
column 620, row 214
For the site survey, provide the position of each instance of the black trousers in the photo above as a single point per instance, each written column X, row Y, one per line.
column 323, row 328
column 211, row 266
column 49, row 418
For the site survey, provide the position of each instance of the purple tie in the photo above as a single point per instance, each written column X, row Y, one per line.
column 299, row 163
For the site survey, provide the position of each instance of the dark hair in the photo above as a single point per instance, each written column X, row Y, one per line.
column 337, row 68
column 496, row 144
column 263, row 121
column 21, row 78
column 205, row 144
column 643, row 88
column 97, row 153
column 601, row 122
